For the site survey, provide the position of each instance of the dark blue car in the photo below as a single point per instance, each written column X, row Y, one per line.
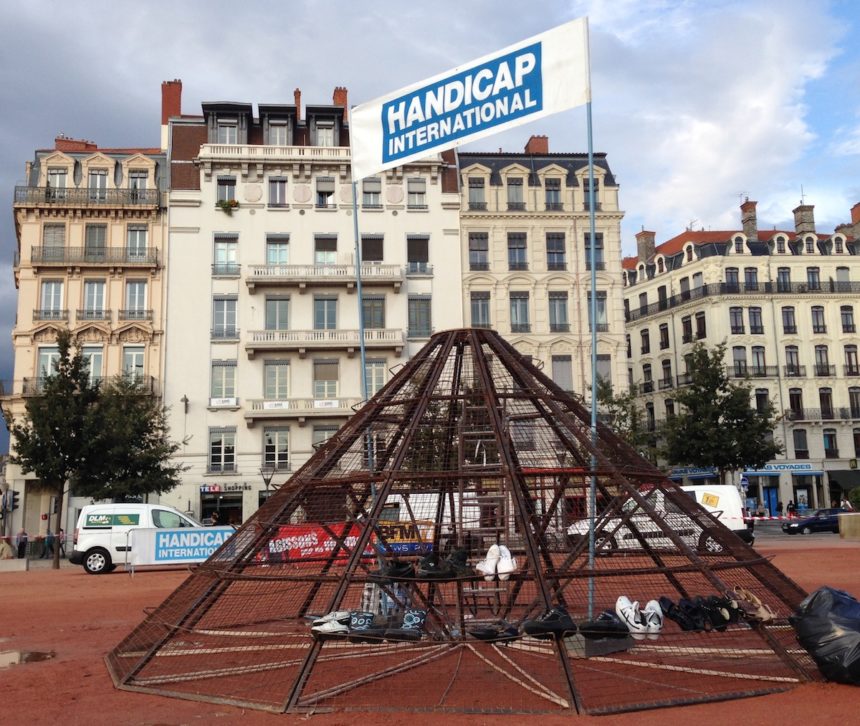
column 821, row 520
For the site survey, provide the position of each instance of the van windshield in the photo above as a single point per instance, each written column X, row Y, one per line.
column 166, row 519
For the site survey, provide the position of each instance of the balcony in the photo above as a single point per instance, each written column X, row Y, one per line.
column 647, row 387
column 477, row 206
column 665, row 384
column 35, row 386
column 93, row 256
column 83, row 315
column 822, row 370
column 301, row 276
column 521, row 328
column 556, row 265
column 851, row 371
column 515, row 265
column 145, row 315
column 226, row 269
column 298, row 408
column 685, row 379
column 301, row 341
column 559, row 327
column 516, row 206
column 84, row 197
column 418, row 269
column 554, row 207
column 41, row 315
column 794, row 371
column 752, row 371
column 818, row 414
column 212, row 153
column 598, row 265
column 831, row 453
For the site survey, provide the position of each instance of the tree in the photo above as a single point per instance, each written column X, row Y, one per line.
column 716, row 426
column 621, row 413
column 101, row 442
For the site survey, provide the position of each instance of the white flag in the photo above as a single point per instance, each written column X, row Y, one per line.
column 531, row 79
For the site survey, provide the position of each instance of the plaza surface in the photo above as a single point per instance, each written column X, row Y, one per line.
column 79, row 618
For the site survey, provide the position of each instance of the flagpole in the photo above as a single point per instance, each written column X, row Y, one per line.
column 592, row 257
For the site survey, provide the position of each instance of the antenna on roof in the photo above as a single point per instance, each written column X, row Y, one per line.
column 691, row 223
column 802, row 195
column 743, row 197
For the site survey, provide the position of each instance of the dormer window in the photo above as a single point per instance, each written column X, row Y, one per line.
column 515, row 194
column 689, row 254
column 810, row 246
column 476, row 193
column 553, row 194
column 837, row 246
column 97, row 185
column 660, row 266
column 586, row 186
column 780, row 245
column 57, row 183
column 325, row 132
column 228, row 132
column 739, row 245
column 277, row 133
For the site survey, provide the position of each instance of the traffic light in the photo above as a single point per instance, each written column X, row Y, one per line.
column 15, row 504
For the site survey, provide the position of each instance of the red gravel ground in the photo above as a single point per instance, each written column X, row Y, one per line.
column 80, row 618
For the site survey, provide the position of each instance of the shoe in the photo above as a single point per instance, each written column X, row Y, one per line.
column 458, row 563
column 334, row 616
column 554, row 624
column 431, row 568
column 392, row 570
column 487, row 566
column 605, row 625
column 653, row 617
column 673, row 612
column 494, row 632
column 331, row 629
column 507, row 563
column 695, row 612
column 729, row 609
column 631, row 617
column 361, row 628
column 412, row 627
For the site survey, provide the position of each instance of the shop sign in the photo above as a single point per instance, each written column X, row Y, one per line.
column 218, row 488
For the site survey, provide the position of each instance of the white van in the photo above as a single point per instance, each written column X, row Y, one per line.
column 722, row 500
column 102, row 535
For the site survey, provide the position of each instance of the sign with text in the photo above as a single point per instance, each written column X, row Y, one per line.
column 534, row 78
column 176, row 546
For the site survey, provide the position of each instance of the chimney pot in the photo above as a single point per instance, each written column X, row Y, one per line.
column 749, row 220
column 171, row 100
column 297, row 95
column 645, row 245
column 804, row 219
column 537, row 145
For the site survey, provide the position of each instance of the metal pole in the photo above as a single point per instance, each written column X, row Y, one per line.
column 592, row 490
column 361, row 346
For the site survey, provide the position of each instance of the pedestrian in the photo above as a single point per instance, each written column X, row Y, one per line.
column 61, row 540
column 779, row 508
column 790, row 508
column 48, row 548
column 22, row 540
column 213, row 520
column 846, row 505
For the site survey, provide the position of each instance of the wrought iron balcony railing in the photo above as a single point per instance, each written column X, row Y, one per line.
column 62, row 256
column 85, row 197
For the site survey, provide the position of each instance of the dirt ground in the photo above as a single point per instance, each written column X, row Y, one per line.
column 80, row 618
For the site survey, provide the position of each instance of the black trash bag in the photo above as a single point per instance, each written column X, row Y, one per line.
column 827, row 623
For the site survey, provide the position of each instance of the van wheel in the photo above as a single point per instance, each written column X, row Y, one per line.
column 604, row 544
column 97, row 561
column 709, row 545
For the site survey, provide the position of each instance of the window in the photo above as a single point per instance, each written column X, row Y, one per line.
column 686, row 329
column 476, row 194
column 321, row 434
column 135, row 300
column 831, row 448
column 93, row 355
column 732, row 280
column 277, row 313
column 371, row 248
column 277, row 133
column 222, row 450
column 856, row 434
column 227, row 132
column 818, row 324
column 94, row 300
column 780, row 245
column 813, row 278
column 600, row 313
column 325, row 379
column 854, row 401
column 374, row 375
column 223, row 383
column 52, row 300
column 226, row 189
column 809, row 246
column 373, row 310
column 684, row 284
column 416, row 193
column 53, row 241
column 646, row 341
column 843, row 280
column 643, row 302
column 761, row 399
column 57, row 184
column 756, row 324
column 759, row 361
column 795, row 403
column 325, row 250
column 739, row 361
column 586, row 185
column 558, row 322
column 599, row 264
column 517, row 251
column 670, row 408
column 136, row 243
column 822, row 361
column 664, row 336
column 95, row 242
column 325, row 192
column 604, row 367
column 629, row 345
column 520, row 312
column 418, row 254
column 224, row 317
column 698, row 280
column 650, row 421
column 562, row 372
column 739, row 244
column 419, row 316
column 325, row 312
column 647, row 380
column 750, row 279
column 825, row 402
column 783, row 279
column 276, row 448
column 666, row 380
column 371, row 191
column 480, row 309
column 132, row 362
column 48, row 358
column 801, row 448
column 277, row 249
column 555, row 254
column 276, row 380
column 277, row 191
column 515, row 194
column 324, row 132
column 837, row 246
column 789, row 324
column 97, row 185
column 792, row 361
column 137, row 179
column 701, row 330
column 736, row 320
column 553, row 194
column 226, row 255
column 479, row 251
column 852, row 366
column 846, row 312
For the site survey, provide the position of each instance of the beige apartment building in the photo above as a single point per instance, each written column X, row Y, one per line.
column 525, row 233
column 90, row 228
column 785, row 303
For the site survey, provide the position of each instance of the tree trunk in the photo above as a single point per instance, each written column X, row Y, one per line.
column 57, row 525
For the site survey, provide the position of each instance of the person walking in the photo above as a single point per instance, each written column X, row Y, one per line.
column 48, row 548
column 779, row 508
column 790, row 508
column 61, row 541
column 22, row 540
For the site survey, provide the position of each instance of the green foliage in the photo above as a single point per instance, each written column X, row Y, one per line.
column 621, row 413
column 854, row 498
column 717, row 426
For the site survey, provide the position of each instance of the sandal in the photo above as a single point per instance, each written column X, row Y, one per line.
column 752, row 607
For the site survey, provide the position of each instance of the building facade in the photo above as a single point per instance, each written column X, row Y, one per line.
column 525, row 237
column 784, row 301
column 263, row 360
column 90, row 228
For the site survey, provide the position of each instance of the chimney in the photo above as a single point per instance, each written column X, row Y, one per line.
column 339, row 98
column 748, row 220
column 645, row 246
column 297, row 95
column 804, row 221
column 171, row 100
column 538, row 145
column 66, row 143
column 855, row 214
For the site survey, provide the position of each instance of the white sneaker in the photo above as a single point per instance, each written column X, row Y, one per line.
column 487, row 566
column 332, row 628
column 652, row 614
column 507, row 563
column 331, row 617
column 631, row 617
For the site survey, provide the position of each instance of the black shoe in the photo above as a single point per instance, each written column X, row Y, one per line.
column 554, row 624
column 362, row 628
column 495, row 632
column 458, row 562
column 694, row 609
column 679, row 615
column 605, row 625
column 722, row 611
column 393, row 570
column 412, row 627
column 430, row 567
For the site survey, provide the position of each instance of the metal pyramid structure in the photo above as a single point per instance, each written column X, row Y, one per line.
column 468, row 450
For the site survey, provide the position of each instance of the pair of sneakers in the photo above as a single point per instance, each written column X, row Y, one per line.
column 360, row 626
column 647, row 622
column 498, row 562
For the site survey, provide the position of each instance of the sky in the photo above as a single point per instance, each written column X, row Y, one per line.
column 697, row 104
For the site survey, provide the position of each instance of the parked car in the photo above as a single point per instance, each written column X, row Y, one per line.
column 821, row 520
